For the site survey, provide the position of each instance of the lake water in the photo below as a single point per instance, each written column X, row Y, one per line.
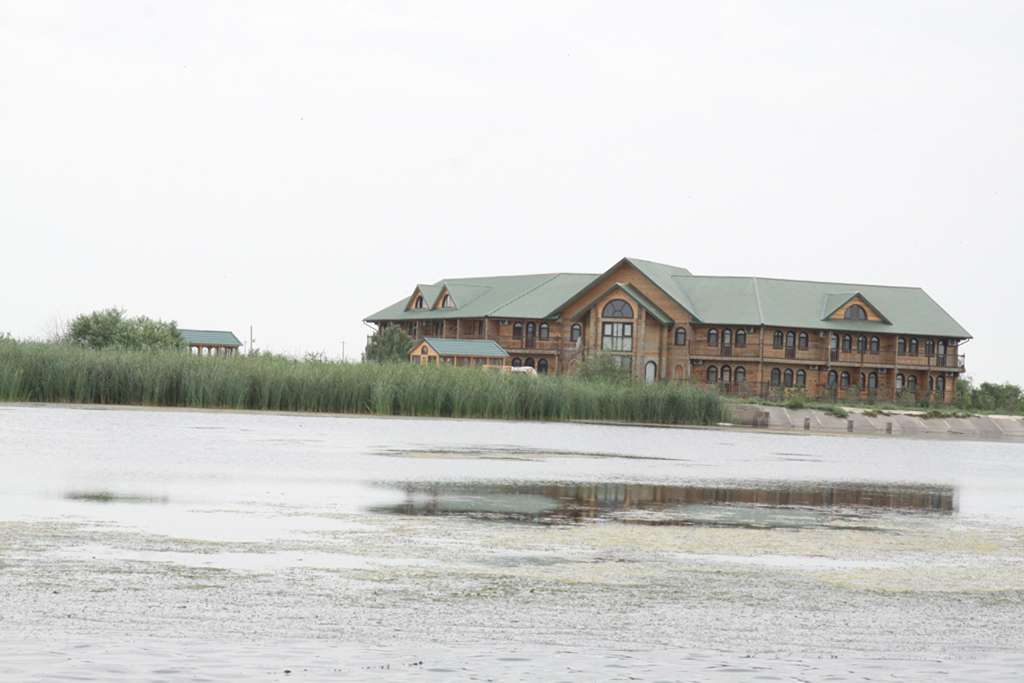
column 171, row 544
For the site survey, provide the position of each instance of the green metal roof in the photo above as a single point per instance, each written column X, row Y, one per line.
column 477, row 348
column 638, row 296
column 750, row 301
column 214, row 337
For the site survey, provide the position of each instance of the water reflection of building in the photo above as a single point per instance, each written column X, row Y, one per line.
column 581, row 501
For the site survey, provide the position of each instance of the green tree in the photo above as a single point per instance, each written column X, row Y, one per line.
column 601, row 368
column 111, row 328
column 390, row 345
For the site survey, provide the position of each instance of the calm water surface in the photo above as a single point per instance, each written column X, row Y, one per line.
column 166, row 545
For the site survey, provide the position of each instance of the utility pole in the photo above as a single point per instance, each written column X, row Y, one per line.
column 342, row 350
column 252, row 341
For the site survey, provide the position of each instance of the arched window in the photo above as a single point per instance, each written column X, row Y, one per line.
column 931, row 384
column 803, row 341
column 913, row 346
column 712, row 374
column 862, row 343
column 776, row 377
column 901, row 346
column 873, row 381
column 543, row 331
column 542, row 366
column 801, row 378
column 899, row 382
column 912, row 383
column 447, row 301
column 844, row 379
column 787, row 377
column 531, row 330
column 529, row 363
column 834, row 342
column 847, row 343
column 517, row 330
column 741, row 338
column 875, row 344
column 575, row 332
column 929, row 347
column 863, row 380
column 777, row 339
column 617, row 308
column 790, row 339
column 940, row 385
column 727, row 337
column 418, row 303
column 741, row 375
column 832, row 378
column 680, row 336
column 517, row 362
column 855, row 312
column 712, row 337
column 726, row 374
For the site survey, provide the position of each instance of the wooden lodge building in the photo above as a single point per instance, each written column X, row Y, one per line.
column 210, row 342
column 747, row 335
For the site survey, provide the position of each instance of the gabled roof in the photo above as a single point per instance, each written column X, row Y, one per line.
column 212, row 337
column 476, row 348
column 652, row 308
column 836, row 300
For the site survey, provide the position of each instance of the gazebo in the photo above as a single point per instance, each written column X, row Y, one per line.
column 211, row 342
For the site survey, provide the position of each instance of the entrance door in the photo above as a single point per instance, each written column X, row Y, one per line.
column 651, row 372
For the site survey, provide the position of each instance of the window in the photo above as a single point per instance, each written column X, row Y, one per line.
column 875, row 344
column 804, row 341
column 424, row 350
column 790, row 339
column 931, row 384
column 801, row 378
column 726, row 337
column 862, row 343
column 741, row 375
column 542, row 366
column 439, row 328
column 712, row 374
column 741, row 339
column 776, row 377
column 617, row 337
column 787, row 377
column 617, row 308
column 531, row 330
column 929, row 347
column 680, row 336
column 712, row 337
column 623, row 362
column 901, row 346
column 777, row 339
column 418, row 303
column 844, row 379
column 940, row 385
column 517, row 330
column 447, row 301
column 834, row 342
column 855, row 312
column 480, row 328
column 517, row 362
column 899, row 382
column 726, row 374
column 575, row 332
column 847, row 343
column 873, row 381
column 913, row 346
column 832, row 378
column 544, row 331
column 863, row 380
column 912, row 383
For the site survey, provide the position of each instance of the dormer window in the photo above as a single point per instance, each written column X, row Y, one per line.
column 448, row 301
column 855, row 312
column 418, row 303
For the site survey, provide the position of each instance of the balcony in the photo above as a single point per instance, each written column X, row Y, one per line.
column 948, row 361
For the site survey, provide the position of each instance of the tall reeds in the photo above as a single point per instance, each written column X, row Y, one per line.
column 67, row 374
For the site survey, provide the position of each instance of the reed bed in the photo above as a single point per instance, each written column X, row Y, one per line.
column 34, row 372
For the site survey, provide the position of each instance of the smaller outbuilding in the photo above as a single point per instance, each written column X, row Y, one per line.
column 463, row 352
column 211, row 342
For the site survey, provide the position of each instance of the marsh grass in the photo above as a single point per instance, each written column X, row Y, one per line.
column 56, row 373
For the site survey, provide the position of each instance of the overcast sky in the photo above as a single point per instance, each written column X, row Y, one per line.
column 298, row 166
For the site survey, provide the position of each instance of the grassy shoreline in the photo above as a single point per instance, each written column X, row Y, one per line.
column 49, row 373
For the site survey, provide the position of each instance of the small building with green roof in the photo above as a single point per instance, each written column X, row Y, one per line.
column 466, row 352
column 211, row 342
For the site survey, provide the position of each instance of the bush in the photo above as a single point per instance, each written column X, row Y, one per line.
column 110, row 328
column 837, row 411
column 601, row 368
column 390, row 345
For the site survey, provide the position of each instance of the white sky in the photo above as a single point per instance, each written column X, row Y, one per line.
column 300, row 165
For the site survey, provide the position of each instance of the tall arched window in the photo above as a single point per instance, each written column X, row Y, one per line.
column 863, row 380
column 529, row 363
column 727, row 337
column 680, row 336
column 901, row 346
column 940, row 385
column 834, row 342
column 777, row 339
column 875, row 344
column 741, row 338
column 804, row 341
column 517, row 330
column 712, row 374
column 741, row 375
column 832, row 378
column 617, row 308
column 801, row 378
column 873, row 381
column 790, row 339
column 929, row 347
column 847, row 343
column 899, row 382
column 787, row 377
column 543, row 331
column 913, row 346
column 855, row 312
column 844, row 379
column 726, row 374
column 712, row 337
column 575, row 332
column 862, row 343
column 776, row 377
column 912, row 383
column 517, row 362
column 542, row 366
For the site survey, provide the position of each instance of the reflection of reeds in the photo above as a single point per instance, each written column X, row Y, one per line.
column 111, row 497
column 58, row 373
